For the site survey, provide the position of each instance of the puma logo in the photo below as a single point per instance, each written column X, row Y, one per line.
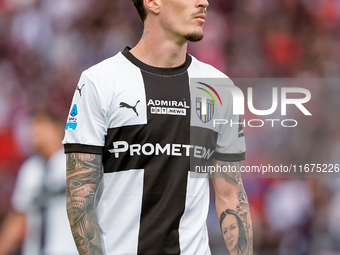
column 79, row 89
column 125, row 105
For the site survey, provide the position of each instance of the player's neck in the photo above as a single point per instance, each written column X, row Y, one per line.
column 157, row 50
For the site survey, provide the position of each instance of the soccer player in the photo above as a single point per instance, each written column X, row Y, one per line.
column 39, row 203
column 128, row 144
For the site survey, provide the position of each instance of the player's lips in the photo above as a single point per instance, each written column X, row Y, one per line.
column 201, row 17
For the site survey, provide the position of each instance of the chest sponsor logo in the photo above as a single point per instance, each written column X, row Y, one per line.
column 149, row 149
column 205, row 107
column 168, row 107
column 72, row 121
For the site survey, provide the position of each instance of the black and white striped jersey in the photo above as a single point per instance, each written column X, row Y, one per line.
column 147, row 124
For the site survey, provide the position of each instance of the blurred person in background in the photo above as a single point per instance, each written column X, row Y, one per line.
column 38, row 216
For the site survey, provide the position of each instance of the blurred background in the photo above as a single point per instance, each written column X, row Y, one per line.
column 46, row 44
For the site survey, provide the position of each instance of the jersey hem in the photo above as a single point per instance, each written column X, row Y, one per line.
column 82, row 148
column 229, row 157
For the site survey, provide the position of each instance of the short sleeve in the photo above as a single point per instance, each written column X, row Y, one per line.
column 86, row 125
column 231, row 141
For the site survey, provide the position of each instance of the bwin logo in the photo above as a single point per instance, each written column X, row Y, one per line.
column 157, row 149
column 205, row 107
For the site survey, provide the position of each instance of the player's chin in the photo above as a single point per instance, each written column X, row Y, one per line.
column 194, row 36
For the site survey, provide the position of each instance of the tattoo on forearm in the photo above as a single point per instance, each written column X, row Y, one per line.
column 230, row 176
column 243, row 211
column 235, row 223
column 84, row 173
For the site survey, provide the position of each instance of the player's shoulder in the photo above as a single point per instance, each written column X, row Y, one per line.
column 201, row 69
column 106, row 67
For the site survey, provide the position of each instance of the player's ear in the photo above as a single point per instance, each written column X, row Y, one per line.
column 152, row 5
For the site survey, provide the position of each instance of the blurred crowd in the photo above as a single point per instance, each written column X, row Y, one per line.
column 46, row 44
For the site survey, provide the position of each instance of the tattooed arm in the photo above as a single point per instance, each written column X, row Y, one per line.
column 233, row 209
column 84, row 173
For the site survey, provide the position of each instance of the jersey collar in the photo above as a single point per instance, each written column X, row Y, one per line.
column 157, row 70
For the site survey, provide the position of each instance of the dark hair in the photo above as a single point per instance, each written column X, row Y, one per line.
column 139, row 4
column 242, row 237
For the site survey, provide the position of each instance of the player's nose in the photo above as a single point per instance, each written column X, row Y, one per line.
column 203, row 3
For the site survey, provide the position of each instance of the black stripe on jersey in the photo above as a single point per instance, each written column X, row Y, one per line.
column 164, row 189
column 82, row 148
column 138, row 134
column 165, row 176
column 229, row 157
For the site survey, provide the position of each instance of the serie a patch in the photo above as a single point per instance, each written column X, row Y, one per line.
column 72, row 121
